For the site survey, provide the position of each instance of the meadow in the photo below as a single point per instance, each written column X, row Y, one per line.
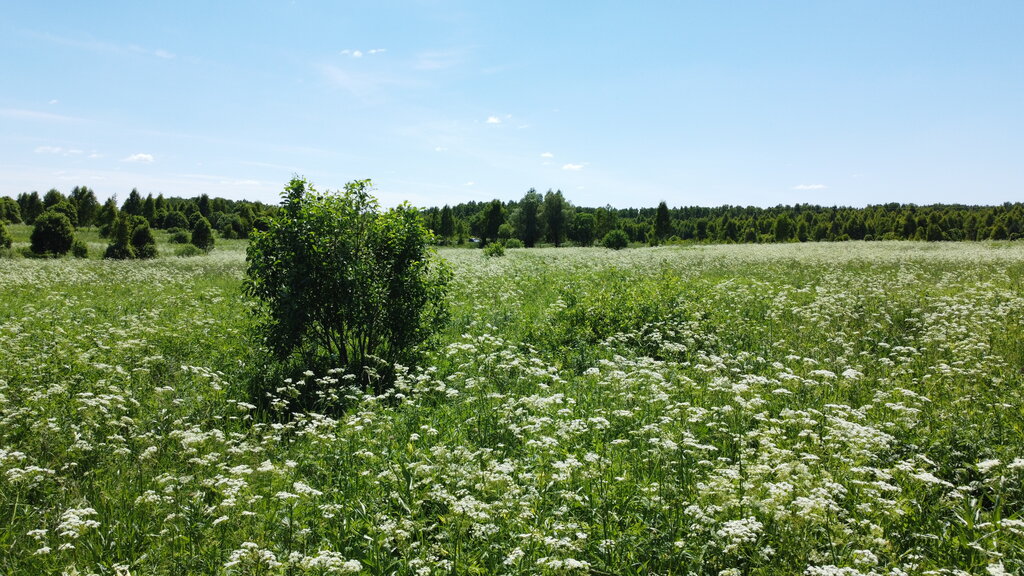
column 824, row 409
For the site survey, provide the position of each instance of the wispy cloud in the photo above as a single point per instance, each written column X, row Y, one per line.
column 360, row 53
column 61, row 151
column 20, row 114
column 437, row 60
column 362, row 85
column 101, row 46
column 470, row 183
column 547, row 155
column 140, row 158
column 572, row 167
column 809, row 187
column 493, row 120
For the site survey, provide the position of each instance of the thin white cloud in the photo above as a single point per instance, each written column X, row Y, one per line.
column 547, row 155
column 352, row 53
column 101, row 46
column 20, row 114
column 54, row 101
column 440, row 149
column 470, row 183
column 59, row 150
column 810, row 187
column 572, row 167
column 142, row 158
column 437, row 60
column 493, row 120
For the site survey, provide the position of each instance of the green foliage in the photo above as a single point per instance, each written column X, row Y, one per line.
column 31, row 206
column 494, row 217
column 9, row 210
column 86, row 205
column 178, row 236
column 143, row 242
column 513, row 243
column 106, row 216
column 176, row 219
column 52, row 234
column 447, row 224
column 68, row 209
column 79, row 249
column 494, row 249
column 557, row 215
column 527, row 218
column 202, row 234
column 766, row 410
column 662, row 223
column 188, row 250
column 133, row 205
column 338, row 280
column 120, row 247
column 5, row 236
column 616, row 240
column 584, row 229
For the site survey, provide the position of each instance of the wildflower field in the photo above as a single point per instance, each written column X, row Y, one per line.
column 822, row 409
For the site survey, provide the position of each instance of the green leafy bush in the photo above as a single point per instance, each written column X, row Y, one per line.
column 494, row 249
column 52, row 235
column 120, row 247
column 5, row 236
column 338, row 282
column 202, row 234
column 616, row 240
column 178, row 236
column 142, row 239
column 513, row 243
column 189, row 250
column 79, row 249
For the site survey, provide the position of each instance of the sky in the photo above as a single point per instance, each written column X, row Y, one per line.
column 695, row 103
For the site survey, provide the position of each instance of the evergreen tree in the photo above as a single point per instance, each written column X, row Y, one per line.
column 662, row 223
column 52, row 234
column 494, row 217
column 528, row 222
column 149, row 209
column 133, row 205
column 447, row 225
column 202, row 234
column 52, row 198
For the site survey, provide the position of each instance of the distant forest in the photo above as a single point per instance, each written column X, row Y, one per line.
column 549, row 219
column 232, row 219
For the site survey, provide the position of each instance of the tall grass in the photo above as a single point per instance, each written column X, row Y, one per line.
column 820, row 409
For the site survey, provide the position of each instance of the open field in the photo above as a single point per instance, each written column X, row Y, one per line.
column 850, row 408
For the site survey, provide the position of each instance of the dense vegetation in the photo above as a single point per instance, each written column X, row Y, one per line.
column 833, row 408
column 231, row 219
column 550, row 219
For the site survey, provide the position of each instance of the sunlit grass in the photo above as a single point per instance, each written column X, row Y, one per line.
column 822, row 409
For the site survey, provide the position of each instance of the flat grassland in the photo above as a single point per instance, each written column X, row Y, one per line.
column 852, row 408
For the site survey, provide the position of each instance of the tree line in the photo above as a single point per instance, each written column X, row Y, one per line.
column 230, row 218
column 549, row 218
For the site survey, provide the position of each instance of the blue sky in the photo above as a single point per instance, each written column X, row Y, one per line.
column 621, row 103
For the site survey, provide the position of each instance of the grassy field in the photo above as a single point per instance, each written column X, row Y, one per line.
column 822, row 409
